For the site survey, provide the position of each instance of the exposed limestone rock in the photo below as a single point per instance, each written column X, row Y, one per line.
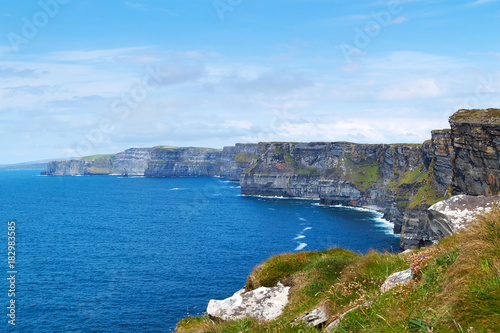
column 404, row 180
column 183, row 162
column 315, row 318
column 98, row 165
column 476, row 140
column 451, row 215
column 401, row 179
column 396, row 279
column 236, row 159
column 134, row 161
column 262, row 303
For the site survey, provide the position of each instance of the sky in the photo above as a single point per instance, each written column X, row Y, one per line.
column 85, row 77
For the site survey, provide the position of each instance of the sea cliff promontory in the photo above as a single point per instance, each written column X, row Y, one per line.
column 401, row 180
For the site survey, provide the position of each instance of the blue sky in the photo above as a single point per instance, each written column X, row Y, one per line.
column 83, row 77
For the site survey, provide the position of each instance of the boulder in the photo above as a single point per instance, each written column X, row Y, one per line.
column 396, row 279
column 315, row 318
column 262, row 303
column 449, row 216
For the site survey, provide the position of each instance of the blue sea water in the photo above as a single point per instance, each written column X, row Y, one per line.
column 112, row 254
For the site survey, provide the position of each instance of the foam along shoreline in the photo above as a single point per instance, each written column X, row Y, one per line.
column 278, row 197
column 386, row 225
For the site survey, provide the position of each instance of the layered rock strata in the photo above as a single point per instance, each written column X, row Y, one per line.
column 402, row 180
column 476, row 141
column 399, row 179
column 133, row 161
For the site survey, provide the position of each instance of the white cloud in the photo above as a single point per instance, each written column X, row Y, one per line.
column 399, row 20
column 412, row 89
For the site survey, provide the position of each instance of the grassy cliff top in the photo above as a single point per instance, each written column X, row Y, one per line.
column 171, row 148
column 483, row 116
column 456, row 288
column 98, row 157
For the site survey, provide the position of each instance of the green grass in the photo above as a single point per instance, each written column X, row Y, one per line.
column 456, row 287
column 363, row 176
column 426, row 195
column 99, row 157
column 102, row 164
column 245, row 157
column 477, row 115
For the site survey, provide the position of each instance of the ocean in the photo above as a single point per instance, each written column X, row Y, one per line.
column 112, row 254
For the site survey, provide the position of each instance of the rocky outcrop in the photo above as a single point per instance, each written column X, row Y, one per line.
column 397, row 279
column 236, row 159
column 449, row 216
column 316, row 318
column 262, row 303
column 133, row 161
column 476, row 141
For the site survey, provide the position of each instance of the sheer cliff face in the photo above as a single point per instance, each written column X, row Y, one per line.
column 236, row 159
column 183, row 162
column 403, row 180
column 133, row 161
column 476, row 141
column 97, row 165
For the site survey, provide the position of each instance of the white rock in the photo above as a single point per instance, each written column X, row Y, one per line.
column 314, row 318
column 449, row 216
column 262, row 303
column 396, row 279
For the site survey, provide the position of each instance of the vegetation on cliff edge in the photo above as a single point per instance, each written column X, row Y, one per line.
column 456, row 287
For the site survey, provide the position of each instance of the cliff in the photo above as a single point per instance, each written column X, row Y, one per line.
column 476, row 141
column 134, row 161
column 86, row 166
column 183, row 162
column 162, row 161
column 402, row 180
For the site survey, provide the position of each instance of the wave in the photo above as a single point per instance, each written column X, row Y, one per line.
column 302, row 219
column 386, row 225
column 278, row 197
column 301, row 246
column 299, row 237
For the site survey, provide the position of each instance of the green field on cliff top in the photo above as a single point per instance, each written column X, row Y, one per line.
column 456, row 288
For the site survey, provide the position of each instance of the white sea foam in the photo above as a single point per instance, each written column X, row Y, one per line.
column 307, row 228
column 277, row 197
column 302, row 219
column 388, row 226
column 175, row 189
column 300, row 247
column 235, row 187
column 299, row 237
